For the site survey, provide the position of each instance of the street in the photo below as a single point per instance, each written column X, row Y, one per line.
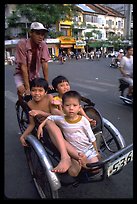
column 94, row 80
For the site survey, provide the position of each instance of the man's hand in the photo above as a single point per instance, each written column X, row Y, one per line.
column 27, row 92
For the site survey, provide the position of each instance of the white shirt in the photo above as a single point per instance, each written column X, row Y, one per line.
column 127, row 64
column 78, row 133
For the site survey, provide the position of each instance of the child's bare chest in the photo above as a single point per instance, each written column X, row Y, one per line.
column 43, row 106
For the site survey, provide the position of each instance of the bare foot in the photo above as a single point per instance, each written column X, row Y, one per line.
column 63, row 165
column 82, row 159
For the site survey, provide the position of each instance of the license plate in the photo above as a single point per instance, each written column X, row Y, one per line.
column 119, row 163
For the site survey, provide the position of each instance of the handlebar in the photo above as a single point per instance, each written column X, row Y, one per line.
column 88, row 101
column 102, row 163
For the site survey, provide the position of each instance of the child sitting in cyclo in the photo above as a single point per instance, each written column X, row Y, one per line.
column 77, row 131
column 61, row 85
column 40, row 105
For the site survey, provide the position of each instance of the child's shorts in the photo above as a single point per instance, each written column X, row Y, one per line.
column 90, row 153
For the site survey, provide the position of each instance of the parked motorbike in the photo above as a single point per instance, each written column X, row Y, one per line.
column 123, row 88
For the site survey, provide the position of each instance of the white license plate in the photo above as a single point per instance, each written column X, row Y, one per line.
column 119, row 163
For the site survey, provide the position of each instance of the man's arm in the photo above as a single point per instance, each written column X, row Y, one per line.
column 45, row 69
column 25, row 76
column 123, row 72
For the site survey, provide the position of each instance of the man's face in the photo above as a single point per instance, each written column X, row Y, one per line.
column 37, row 36
column 130, row 51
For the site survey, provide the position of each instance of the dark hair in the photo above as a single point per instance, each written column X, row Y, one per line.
column 57, row 80
column 129, row 47
column 39, row 82
column 71, row 94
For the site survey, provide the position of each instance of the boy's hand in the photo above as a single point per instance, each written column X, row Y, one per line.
column 23, row 142
column 93, row 122
column 33, row 113
column 40, row 132
column 56, row 102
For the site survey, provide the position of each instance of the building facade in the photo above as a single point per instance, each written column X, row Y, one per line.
column 127, row 11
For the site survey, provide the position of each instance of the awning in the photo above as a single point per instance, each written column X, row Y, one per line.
column 66, row 46
column 78, row 47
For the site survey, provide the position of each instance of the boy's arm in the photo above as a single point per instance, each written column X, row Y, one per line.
column 55, row 111
column 27, row 131
column 95, row 146
column 40, row 129
column 82, row 112
column 53, row 107
column 34, row 113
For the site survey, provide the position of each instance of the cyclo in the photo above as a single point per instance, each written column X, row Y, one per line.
column 42, row 155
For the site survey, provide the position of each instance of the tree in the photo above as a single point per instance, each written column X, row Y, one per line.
column 47, row 14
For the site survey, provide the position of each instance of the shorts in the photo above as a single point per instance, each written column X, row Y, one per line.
column 128, row 80
column 18, row 80
column 90, row 153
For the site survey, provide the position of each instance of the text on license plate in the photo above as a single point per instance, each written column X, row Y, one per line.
column 119, row 163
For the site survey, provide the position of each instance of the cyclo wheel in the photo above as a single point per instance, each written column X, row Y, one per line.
column 39, row 174
column 109, row 139
column 110, row 143
column 22, row 117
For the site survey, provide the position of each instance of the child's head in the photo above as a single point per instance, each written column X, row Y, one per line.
column 39, row 82
column 71, row 103
column 61, row 84
column 38, row 88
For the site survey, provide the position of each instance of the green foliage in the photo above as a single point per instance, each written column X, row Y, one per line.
column 47, row 14
column 55, row 34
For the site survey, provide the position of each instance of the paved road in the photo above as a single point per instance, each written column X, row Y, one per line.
column 94, row 80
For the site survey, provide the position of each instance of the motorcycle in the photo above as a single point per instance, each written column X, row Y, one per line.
column 123, row 88
column 114, row 63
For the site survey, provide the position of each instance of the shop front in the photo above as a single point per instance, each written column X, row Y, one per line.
column 80, row 46
column 67, row 44
column 53, row 46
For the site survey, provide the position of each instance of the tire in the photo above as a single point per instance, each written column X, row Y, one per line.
column 124, row 94
column 39, row 174
column 22, row 117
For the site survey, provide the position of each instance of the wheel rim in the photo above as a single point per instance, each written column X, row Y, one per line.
column 39, row 174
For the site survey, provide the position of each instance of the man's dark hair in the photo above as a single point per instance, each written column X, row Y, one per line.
column 57, row 80
column 129, row 47
column 71, row 94
column 39, row 82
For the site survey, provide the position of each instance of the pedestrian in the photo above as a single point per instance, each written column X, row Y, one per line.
column 126, row 69
column 31, row 55
column 76, row 130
